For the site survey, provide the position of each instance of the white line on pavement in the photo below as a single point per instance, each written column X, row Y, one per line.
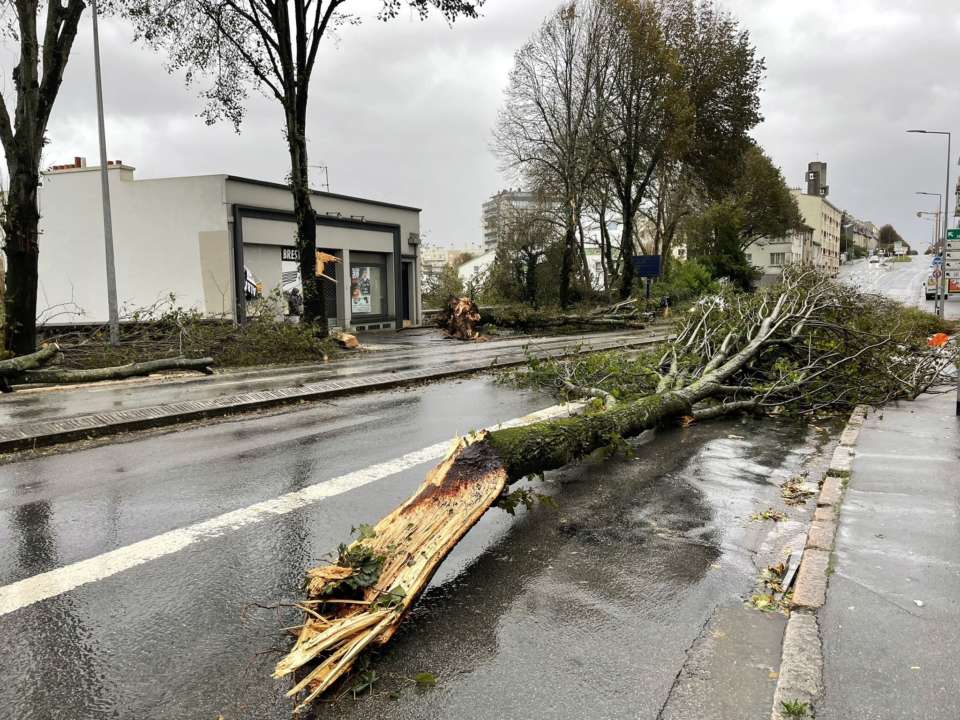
column 64, row 579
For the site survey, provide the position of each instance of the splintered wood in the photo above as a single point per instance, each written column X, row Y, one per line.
column 412, row 541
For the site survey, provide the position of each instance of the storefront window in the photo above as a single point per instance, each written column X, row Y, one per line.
column 367, row 289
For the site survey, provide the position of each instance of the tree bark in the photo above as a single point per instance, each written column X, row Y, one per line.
column 626, row 252
column 566, row 261
column 314, row 305
column 36, row 82
column 20, row 226
column 22, row 363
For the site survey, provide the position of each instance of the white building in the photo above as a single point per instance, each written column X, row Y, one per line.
column 213, row 240
column 818, row 245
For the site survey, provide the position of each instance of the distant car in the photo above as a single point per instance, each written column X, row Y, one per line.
column 873, row 259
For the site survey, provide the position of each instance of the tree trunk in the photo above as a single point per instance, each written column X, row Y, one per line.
column 22, row 363
column 65, row 376
column 606, row 254
column 416, row 537
column 530, row 279
column 582, row 248
column 566, row 262
column 314, row 307
column 20, row 227
column 626, row 252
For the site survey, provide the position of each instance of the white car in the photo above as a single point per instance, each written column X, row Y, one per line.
column 873, row 259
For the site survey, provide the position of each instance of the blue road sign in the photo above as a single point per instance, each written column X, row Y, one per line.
column 646, row 266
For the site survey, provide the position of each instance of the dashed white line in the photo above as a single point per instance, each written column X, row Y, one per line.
column 64, row 579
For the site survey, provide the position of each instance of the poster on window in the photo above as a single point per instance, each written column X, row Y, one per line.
column 360, row 290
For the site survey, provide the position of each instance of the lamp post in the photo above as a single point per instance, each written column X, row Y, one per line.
column 941, row 305
column 105, row 190
column 934, row 217
column 939, row 300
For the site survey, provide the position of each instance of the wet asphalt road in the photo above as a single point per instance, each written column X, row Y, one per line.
column 904, row 282
column 585, row 611
column 390, row 352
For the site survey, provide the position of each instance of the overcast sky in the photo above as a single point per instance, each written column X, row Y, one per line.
column 402, row 111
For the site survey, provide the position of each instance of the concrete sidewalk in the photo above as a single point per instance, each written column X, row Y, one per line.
column 46, row 416
column 891, row 623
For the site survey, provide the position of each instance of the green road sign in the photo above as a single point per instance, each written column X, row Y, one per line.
column 953, row 234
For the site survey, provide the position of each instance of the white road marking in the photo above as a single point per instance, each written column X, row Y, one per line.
column 64, row 579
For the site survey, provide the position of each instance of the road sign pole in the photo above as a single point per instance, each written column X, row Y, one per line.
column 946, row 224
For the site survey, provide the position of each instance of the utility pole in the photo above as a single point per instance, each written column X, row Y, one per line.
column 105, row 190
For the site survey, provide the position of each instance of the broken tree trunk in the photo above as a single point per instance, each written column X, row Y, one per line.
column 414, row 539
column 66, row 376
column 22, row 363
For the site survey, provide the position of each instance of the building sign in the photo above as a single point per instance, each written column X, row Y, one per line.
column 360, row 289
column 646, row 266
column 290, row 254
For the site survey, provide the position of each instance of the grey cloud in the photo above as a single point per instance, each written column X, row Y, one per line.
column 403, row 110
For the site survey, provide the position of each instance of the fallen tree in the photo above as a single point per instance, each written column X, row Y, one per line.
column 119, row 372
column 22, row 363
column 806, row 346
column 32, row 369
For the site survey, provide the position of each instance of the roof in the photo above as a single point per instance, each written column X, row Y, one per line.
column 335, row 196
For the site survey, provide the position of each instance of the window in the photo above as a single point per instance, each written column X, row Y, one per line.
column 778, row 258
column 367, row 290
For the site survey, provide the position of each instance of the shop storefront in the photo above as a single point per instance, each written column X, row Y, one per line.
column 373, row 283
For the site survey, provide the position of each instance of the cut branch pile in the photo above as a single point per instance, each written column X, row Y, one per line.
column 804, row 346
column 32, row 369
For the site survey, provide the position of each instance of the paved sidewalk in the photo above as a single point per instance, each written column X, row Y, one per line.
column 46, row 416
column 891, row 623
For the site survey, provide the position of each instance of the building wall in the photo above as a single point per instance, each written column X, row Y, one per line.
column 170, row 236
column 771, row 256
column 824, row 219
column 175, row 236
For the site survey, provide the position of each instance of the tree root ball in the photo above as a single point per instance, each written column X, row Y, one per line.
column 460, row 319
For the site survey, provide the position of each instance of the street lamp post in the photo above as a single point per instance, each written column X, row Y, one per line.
column 105, row 190
column 941, row 306
column 934, row 217
column 939, row 301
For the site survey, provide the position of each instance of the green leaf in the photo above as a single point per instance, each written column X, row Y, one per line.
column 425, row 679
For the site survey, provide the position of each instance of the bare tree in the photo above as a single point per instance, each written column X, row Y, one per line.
column 545, row 129
column 36, row 78
column 270, row 45
column 640, row 107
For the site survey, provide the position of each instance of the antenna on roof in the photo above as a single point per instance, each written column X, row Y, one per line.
column 326, row 176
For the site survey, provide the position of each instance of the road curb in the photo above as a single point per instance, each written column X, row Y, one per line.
column 801, row 663
column 84, row 427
